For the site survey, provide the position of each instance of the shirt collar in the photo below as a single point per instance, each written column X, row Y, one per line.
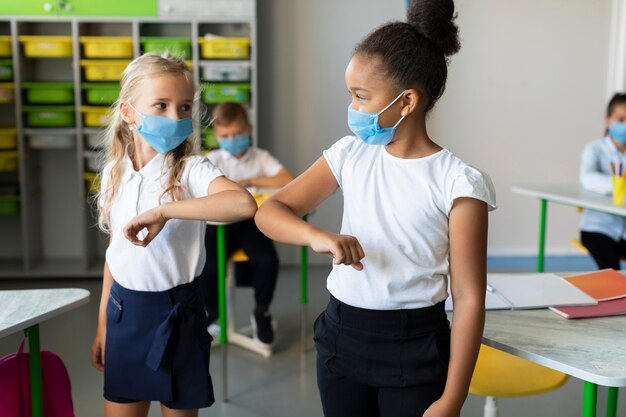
column 152, row 170
column 245, row 156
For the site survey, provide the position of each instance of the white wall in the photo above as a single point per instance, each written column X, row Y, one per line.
column 524, row 95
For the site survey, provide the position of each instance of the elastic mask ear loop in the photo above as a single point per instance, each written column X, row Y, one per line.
column 390, row 104
column 134, row 125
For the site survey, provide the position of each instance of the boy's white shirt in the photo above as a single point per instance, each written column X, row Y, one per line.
column 254, row 163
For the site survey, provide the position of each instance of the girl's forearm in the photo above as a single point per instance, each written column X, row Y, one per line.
column 107, row 281
column 269, row 182
column 224, row 206
column 280, row 223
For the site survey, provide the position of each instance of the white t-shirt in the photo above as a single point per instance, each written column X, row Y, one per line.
column 254, row 163
column 398, row 210
column 176, row 256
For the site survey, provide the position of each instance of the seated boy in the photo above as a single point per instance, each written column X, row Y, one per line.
column 250, row 167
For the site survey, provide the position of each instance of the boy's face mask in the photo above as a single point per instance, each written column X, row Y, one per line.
column 366, row 127
column 236, row 144
column 617, row 130
column 163, row 133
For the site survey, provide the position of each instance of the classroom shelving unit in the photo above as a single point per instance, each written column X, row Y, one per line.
column 49, row 133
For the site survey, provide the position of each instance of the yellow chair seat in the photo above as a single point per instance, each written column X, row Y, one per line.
column 500, row 374
column 239, row 256
column 578, row 245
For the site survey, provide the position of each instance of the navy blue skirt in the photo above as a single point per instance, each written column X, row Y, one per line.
column 157, row 347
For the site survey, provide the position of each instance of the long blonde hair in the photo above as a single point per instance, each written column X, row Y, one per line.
column 118, row 140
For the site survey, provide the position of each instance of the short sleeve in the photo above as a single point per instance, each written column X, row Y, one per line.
column 270, row 165
column 472, row 183
column 201, row 173
column 337, row 154
column 104, row 182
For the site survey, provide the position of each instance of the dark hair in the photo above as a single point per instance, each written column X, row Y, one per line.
column 227, row 113
column 617, row 99
column 413, row 54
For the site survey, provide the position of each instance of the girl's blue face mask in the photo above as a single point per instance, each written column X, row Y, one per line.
column 235, row 145
column 366, row 127
column 617, row 130
column 163, row 133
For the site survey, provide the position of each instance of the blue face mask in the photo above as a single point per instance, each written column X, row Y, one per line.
column 163, row 133
column 366, row 127
column 235, row 145
column 617, row 130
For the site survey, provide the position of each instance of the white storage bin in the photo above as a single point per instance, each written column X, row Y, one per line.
column 51, row 141
column 94, row 161
column 95, row 140
column 225, row 72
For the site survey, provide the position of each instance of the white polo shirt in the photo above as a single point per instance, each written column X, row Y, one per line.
column 398, row 210
column 254, row 163
column 176, row 256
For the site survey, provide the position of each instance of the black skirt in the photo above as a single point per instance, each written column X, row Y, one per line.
column 157, row 347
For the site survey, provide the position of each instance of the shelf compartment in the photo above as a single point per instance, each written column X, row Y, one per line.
column 224, row 47
column 104, row 70
column 49, row 116
column 6, row 69
column 8, row 161
column 101, row 93
column 215, row 93
column 177, row 46
column 49, row 92
column 92, row 182
column 51, row 140
column 5, row 46
column 107, row 46
column 8, row 138
column 96, row 116
column 7, row 93
column 9, row 205
column 46, row 46
column 225, row 71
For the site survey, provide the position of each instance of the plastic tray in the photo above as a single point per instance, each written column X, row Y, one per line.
column 104, row 70
column 6, row 70
column 8, row 138
column 101, row 93
column 49, row 92
column 92, row 182
column 180, row 46
column 107, row 46
column 47, row 46
column 219, row 93
column 224, row 47
column 96, row 116
column 208, row 138
column 5, row 46
column 9, row 205
column 49, row 116
column 8, row 161
column 225, row 72
column 51, row 141
column 7, row 93
column 95, row 140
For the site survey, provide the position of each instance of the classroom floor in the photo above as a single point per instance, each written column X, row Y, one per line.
column 281, row 386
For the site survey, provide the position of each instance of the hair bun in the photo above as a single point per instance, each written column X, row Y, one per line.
column 434, row 20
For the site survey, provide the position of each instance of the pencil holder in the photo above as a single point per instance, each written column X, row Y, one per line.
column 619, row 190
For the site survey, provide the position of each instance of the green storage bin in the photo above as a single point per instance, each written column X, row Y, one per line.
column 49, row 92
column 175, row 46
column 50, row 116
column 222, row 92
column 9, row 205
column 101, row 93
column 6, row 69
column 209, row 139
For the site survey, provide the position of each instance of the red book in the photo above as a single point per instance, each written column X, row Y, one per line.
column 607, row 284
column 602, row 309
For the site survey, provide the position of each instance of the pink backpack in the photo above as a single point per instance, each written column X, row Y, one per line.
column 15, row 386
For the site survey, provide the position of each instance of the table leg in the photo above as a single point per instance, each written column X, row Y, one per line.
column 34, row 357
column 542, row 235
column 590, row 399
column 221, row 304
column 611, row 402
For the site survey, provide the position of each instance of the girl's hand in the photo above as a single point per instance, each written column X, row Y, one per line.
column 97, row 350
column 152, row 220
column 344, row 249
column 441, row 408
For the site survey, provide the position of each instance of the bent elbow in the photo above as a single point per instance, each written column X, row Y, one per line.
column 248, row 206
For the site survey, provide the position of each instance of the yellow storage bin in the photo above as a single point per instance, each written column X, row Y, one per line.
column 224, row 47
column 107, row 46
column 104, row 70
column 5, row 47
column 8, row 161
column 7, row 93
column 96, row 116
column 47, row 46
column 92, row 181
column 8, row 138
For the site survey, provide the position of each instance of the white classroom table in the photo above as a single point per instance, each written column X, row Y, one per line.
column 24, row 310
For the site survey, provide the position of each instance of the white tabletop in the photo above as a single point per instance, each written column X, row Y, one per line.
column 572, row 195
column 592, row 349
column 20, row 309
